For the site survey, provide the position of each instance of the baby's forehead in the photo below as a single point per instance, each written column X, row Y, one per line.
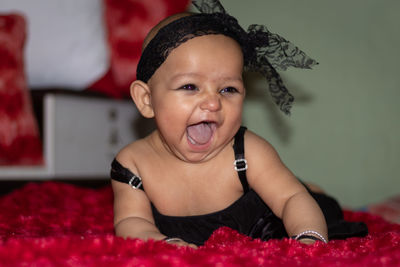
column 210, row 44
column 211, row 57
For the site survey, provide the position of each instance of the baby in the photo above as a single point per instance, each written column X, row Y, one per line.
column 200, row 169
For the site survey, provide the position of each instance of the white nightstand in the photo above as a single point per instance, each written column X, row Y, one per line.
column 81, row 135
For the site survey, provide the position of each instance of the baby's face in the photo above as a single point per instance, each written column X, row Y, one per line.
column 197, row 97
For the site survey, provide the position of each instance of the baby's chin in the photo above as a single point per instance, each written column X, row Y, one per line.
column 197, row 158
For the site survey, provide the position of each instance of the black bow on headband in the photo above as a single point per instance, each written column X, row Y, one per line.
column 263, row 51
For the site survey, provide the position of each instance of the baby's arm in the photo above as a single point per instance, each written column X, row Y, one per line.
column 301, row 213
column 133, row 217
column 281, row 191
column 132, row 213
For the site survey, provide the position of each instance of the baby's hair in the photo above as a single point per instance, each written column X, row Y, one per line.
column 161, row 24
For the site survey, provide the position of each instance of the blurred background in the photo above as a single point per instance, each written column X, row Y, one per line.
column 344, row 130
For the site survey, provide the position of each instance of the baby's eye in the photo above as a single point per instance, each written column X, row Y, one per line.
column 190, row 87
column 229, row 90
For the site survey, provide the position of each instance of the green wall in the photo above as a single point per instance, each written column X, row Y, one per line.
column 344, row 130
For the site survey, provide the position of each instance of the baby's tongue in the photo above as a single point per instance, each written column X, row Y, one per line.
column 200, row 133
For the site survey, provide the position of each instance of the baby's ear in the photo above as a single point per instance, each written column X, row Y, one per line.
column 140, row 93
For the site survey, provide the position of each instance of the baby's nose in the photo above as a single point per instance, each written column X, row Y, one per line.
column 211, row 102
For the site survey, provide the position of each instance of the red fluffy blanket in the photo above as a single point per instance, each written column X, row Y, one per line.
column 57, row 224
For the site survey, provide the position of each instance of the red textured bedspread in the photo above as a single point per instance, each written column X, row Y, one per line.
column 57, row 224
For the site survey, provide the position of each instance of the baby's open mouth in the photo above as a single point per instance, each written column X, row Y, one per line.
column 201, row 133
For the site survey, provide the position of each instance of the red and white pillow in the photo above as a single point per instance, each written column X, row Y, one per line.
column 19, row 136
column 66, row 43
column 96, row 44
column 127, row 23
column 70, row 44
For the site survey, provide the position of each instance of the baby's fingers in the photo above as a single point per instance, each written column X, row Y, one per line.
column 183, row 243
column 179, row 242
column 192, row 245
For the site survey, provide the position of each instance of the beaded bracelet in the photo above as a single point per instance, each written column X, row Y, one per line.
column 315, row 236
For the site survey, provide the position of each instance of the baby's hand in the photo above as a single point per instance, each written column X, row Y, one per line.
column 179, row 242
column 307, row 241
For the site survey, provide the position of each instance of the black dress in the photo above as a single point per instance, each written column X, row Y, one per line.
column 248, row 215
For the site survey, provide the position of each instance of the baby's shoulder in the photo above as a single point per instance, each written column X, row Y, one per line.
column 129, row 154
column 263, row 160
column 257, row 147
column 255, row 142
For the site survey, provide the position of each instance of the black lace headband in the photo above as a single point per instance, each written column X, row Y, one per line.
column 263, row 51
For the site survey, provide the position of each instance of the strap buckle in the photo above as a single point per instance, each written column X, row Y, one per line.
column 135, row 182
column 240, row 165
